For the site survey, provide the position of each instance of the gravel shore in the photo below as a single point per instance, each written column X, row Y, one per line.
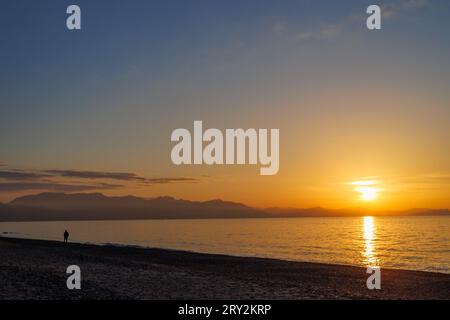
column 36, row 269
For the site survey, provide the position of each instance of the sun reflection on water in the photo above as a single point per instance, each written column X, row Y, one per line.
column 369, row 236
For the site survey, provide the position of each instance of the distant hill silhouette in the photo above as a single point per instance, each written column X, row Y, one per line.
column 96, row 206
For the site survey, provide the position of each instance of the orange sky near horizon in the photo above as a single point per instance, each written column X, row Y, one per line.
column 320, row 156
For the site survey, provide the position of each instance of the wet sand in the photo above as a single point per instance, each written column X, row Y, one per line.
column 36, row 269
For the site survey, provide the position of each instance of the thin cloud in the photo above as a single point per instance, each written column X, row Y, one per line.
column 407, row 184
column 124, row 176
column 394, row 9
column 6, row 187
column 171, row 180
column 324, row 31
column 303, row 36
column 21, row 175
column 279, row 27
column 327, row 31
column 414, row 4
column 330, row 31
column 15, row 180
column 419, row 179
column 435, row 179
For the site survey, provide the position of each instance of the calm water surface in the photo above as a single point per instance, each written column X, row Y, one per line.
column 418, row 243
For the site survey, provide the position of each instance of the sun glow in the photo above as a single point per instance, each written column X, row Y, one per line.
column 367, row 189
column 368, row 193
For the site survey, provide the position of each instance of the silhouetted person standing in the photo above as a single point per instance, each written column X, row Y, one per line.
column 66, row 236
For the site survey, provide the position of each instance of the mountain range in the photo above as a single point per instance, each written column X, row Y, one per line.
column 96, row 206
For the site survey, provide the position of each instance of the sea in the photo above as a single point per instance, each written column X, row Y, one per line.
column 413, row 243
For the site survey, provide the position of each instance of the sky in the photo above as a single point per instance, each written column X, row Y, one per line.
column 93, row 110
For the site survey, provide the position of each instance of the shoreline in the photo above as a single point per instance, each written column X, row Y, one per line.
column 15, row 236
column 36, row 269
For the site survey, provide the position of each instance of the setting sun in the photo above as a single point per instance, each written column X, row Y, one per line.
column 368, row 193
column 367, row 189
